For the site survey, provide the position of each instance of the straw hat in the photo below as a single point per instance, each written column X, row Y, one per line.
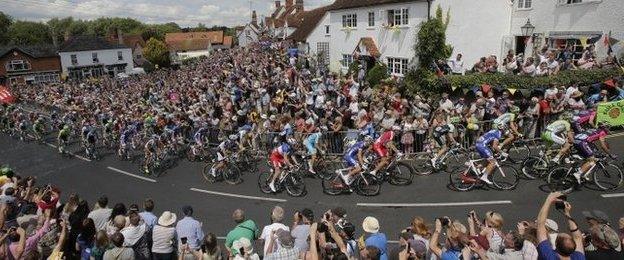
column 167, row 219
column 370, row 225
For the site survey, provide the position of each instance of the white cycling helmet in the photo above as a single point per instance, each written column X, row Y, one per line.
column 233, row 137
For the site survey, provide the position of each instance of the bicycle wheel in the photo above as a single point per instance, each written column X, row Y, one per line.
column 400, row 174
column 232, row 175
column 326, row 169
column 294, row 185
column 462, row 180
column 263, row 182
column 608, row 177
column 518, row 152
column 560, row 179
column 505, row 177
column 534, row 167
column 333, row 185
column 367, row 185
column 207, row 175
column 423, row 167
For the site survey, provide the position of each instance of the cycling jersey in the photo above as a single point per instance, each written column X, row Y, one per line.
column 351, row 155
column 595, row 134
column 91, row 137
column 199, row 136
column 380, row 144
column 559, row 126
column 64, row 134
column 441, row 131
column 311, row 141
column 582, row 118
column 504, row 119
column 125, row 136
column 278, row 154
column 150, row 145
column 483, row 143
column 368, row 130
column 581, row 143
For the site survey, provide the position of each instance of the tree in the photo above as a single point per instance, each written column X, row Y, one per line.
column 156, row 52
column 29, row 33
column 5, row 23
column 430, row 47
column 378, row 73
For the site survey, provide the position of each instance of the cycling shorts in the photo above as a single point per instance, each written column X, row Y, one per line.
column 551, row 137
column 91, row 139
column 583, row 148
column 484, row 151
column 380, row 149
column 351, row 161
column 277, row 159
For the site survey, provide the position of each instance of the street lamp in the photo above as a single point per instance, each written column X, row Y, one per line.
column 528, row 28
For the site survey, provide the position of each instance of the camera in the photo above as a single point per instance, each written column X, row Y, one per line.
column 322, row 228
column 445, row 221
column 560, row 205
column 183, row 240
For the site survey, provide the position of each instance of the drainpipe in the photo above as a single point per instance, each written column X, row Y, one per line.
column 428, row 9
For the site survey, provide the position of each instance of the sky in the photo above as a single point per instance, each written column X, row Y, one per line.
column 184, row 12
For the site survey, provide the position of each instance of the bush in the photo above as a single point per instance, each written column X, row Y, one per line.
column 378, row 73
column 354, row 68
column 581, row 77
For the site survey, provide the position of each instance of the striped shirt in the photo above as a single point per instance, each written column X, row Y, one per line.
column 162, row 238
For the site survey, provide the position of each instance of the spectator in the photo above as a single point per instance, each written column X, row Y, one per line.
column 102, row 244
column 421, row 233
column 113, row 224
column 101, row 213
column 163, row 237
column 285, row 250
column 528, row 69
column 119, row 251
column 136, row 235
column 277, row 217
column 513, row 244
column 606, row 242
column 245, row 246
column 86, row 238
column 455, row 246
column 210, row 250
column 148, row 217
column 301, row 229
column 457, row 65
column 373, row 237
column 567, row 246
column 244, row 228
column 189, row 228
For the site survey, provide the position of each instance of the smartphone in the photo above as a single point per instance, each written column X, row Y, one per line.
column 241, row 251
column 183, row 240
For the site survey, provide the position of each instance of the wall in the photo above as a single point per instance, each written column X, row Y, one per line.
column 318, row 35
column 244, row 40
column 476, row 27
column 42, row 64
column 106, row 57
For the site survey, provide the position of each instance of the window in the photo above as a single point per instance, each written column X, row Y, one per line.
column 119, row 55
column 398, row 17
column 326, row 29
column 17, row 65
column 397, row 66
column 94, row 57
column 74, row 59
column 322, row 50
column 371, row 19
column 349, row 20
column 247, row 32
column 346, row 61
column 526, row 4
column 567, row 2
column 139, row 56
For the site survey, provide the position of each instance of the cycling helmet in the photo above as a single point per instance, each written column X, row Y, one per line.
column 514, row 109
column 233, row 137
column 291, row 141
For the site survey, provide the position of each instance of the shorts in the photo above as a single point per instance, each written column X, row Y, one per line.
column 311, row 149
column 484, row 151
column 351, row 161
column 380, row 149
column 277, row 160
column 551, row 138
column 596, row 135
column 583, row 148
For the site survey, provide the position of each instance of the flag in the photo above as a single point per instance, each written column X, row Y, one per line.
column 583, row 40
column 611, row 113
column 512, row 90
column 453, row 88
column 486, row 88
column 6, row 96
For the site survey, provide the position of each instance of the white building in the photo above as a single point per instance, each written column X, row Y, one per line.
column 285, row 19
column 250, row 33
column 87, row 56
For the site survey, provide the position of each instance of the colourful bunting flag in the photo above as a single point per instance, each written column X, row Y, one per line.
column 583, row 40
column 512, row 90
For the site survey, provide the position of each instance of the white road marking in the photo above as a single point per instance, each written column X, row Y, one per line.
column 51, row 145
column 130, row 174
column 612, row 195
column 238, row 195
column 80, row 157
column 438, row 204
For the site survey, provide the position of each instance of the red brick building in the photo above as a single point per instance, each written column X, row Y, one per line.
column 30, row 65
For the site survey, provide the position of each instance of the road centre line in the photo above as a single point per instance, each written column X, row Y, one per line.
column 438, row 204
column 238, row 195
column 612, row 195
column 130, row 174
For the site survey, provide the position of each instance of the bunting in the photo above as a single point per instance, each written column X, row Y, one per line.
column 512, row 90
column 583, row 40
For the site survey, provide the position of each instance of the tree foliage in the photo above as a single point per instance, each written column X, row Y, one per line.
column 156, row 52
column 5, row 24
column 29, row 33
column 378, row 73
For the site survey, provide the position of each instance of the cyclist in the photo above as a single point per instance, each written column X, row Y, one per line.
column 508, row 121
column 354, row 158
column 198, row 137
column 86, row 128
column 152, row 149
column 279, row 158
column 582, row 143
column 124, row 139
column 244, row 137
column 38, row 127
column 91, row 140
column 312, row 145
column 63, row 137
column 582, row 118
column 443, row 130
column 224, row 150
column 482, row 145
column 381, row 146
column 109, row 125
column 559, row 132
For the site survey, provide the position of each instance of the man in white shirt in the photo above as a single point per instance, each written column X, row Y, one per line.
column 277, row 216
column 457, row 65
column 101, row 214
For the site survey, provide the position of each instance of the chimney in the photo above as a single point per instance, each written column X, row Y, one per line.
column 254, row 17
column 278, row 4
column 289, row 3
column 299, row 6
column 120, row 37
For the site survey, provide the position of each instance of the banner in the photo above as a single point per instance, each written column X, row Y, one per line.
column 512, row 90
column 6, row 96
column 611, row 112
column 583, row 40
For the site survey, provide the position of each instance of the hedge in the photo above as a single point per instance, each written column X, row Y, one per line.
column 581, row 77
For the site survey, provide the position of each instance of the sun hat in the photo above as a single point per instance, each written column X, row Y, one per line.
column 167, row 218
column 370, row 225
column 552, row 225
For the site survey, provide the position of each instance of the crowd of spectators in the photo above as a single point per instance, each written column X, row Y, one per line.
column 36, row 223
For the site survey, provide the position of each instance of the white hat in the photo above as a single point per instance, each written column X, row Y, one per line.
column 167, row 219
column 552, row 225
column 273, row 118
column 370, row 225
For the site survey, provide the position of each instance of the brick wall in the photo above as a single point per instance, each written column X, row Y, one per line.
column 41, row 64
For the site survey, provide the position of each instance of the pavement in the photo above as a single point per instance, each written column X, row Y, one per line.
column 428, row 196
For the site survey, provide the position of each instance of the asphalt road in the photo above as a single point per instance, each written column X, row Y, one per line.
column 427, row 197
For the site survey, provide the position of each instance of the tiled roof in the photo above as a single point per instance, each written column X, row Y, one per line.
column 133, row 40
column 88, row 43
column 308, row 22
column 35, row 51
column 193, row 40
column 370, row 46
column 227, row 41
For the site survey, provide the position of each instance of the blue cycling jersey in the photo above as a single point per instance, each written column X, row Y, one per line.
column 490, row 136
column 313, row 139
column 355, row 148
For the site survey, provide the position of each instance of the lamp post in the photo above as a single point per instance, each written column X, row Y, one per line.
column 528, row 30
